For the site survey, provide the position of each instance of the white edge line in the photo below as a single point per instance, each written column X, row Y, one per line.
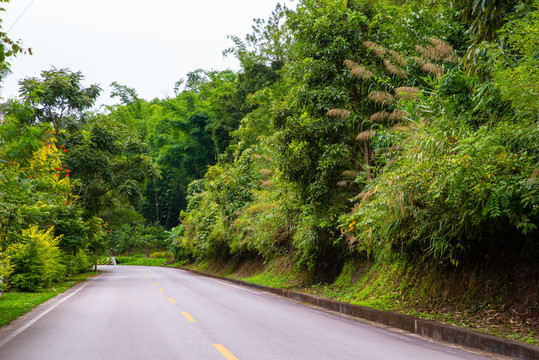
column 239, row 287
column 31, row 322
column 229, row 284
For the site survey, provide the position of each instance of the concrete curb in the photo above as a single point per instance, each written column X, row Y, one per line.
column 427, row 328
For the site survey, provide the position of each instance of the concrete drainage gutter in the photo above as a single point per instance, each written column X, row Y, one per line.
column 428, row 328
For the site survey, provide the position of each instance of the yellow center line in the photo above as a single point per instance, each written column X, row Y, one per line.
column 171, row 300
column 161, row 290
column 155, row 284
column 227, row 354
column 188, row 317
column 148, row 275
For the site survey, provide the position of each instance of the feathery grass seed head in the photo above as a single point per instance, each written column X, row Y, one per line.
column 379, row 116
column 374, row 47
column 397, row 115
column 441, row 48
column 361, row 72
column 432, row 68
column 342, row 113
column 350, row 64
column 452, row 59
column 398, row 58
column 365, row 136
column 406, row 92
column 395, row 70
column 380, row 97
column 419, row 61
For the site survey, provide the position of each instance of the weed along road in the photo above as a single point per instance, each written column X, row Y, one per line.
column 141, row 313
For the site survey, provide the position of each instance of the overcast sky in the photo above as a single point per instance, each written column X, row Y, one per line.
column 148, row 45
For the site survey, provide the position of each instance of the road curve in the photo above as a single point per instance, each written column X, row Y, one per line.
column 141, row 313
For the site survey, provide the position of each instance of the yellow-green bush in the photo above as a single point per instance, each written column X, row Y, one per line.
column 36, row 260
column 161, row 255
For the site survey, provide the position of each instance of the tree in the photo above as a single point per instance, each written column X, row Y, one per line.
column 484, row 18
column 186, row 150
column 184, row 135
column 8, row 49
column 58, row 97
column 35, row 203
column 270, row 43
column 110, row 164
column 138, row 114
column 514, row 66
column 126, row 94
column 96, row 234
column 213, row 92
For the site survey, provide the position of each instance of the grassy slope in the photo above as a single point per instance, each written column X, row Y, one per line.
column 501, row 304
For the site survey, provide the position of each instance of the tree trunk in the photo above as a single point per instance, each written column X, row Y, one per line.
column 368, row 159
column 156, row 202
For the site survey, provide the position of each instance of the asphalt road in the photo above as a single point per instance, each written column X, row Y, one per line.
column 157, row 313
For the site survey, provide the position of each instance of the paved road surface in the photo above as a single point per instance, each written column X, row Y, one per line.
column 141, row 313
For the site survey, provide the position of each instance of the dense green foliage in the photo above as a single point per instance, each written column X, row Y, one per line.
column 64, row 173
column 353, row 128
column 376, row 139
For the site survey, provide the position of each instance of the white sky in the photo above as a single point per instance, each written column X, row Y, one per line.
column 148, row 45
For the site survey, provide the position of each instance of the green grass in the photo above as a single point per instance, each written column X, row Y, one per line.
column 15, row 304
column 279, row 274
column 140, row 260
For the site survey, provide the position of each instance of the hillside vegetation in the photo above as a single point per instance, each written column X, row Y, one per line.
column 389, row 131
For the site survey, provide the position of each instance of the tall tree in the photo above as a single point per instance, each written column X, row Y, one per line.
column 110, row 163
column 484, row 18
column 58, row 97
column 186, row 150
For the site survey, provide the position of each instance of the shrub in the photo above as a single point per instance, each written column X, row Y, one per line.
column 161, row 255
column 36, row 260
column 78, row 263
column 29, row 268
